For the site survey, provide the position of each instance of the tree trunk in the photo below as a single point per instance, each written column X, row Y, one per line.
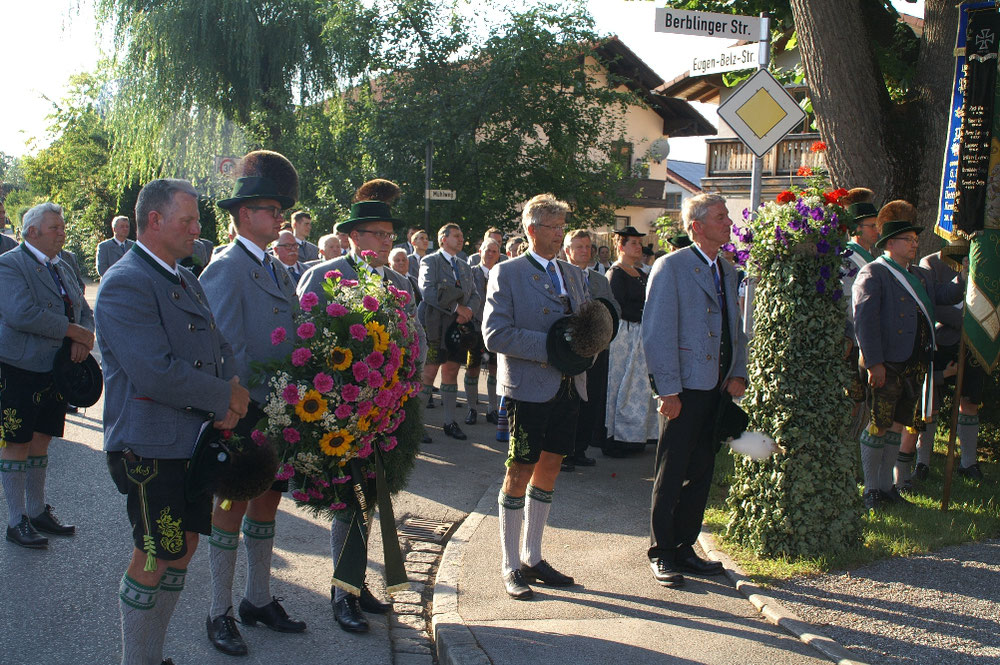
column 849, row 96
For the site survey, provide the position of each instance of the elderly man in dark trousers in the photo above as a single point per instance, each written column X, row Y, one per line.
column 696, row 355
column 894, row 309
column 42, row 309
column 449, row 296
column 167, row 372
column 524, row 298
column 251, row 294
column 113, row 249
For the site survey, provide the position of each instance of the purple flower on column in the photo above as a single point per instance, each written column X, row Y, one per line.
column 836, row 295
column 821, row 286
column 822, row 247
column 824, row 272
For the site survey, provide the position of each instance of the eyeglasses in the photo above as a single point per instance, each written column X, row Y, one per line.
column 381, row 235
column 559, row 229
column 288, row 245
column 912, row 241
column 274, row 211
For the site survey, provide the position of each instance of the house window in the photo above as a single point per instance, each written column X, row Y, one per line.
column 621, row 152
column 621, row 221
column 673, row 200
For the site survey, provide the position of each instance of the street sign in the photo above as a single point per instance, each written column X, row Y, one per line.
column 725, row 60
column 225, row 166
column 707, row 24
column 440, row 194
column 761, row 112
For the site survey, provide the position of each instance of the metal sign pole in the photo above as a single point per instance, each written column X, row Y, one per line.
column 428, row 170
column 763, row 58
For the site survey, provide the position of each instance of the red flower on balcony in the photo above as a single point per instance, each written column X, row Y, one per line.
column 833, row 198
column 818, row 146
column 804, row 171
column 785, row 197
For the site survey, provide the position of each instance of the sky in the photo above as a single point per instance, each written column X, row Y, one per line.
column 74, row 45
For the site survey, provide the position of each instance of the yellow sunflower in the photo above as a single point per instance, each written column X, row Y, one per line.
column 380, row 338
column 340, row 358
column 336, row 444
column 312, row 407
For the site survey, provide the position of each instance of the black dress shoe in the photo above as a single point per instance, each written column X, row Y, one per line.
column 614, row 451
column 225, row 636
column 453, row 430
column 543, row 572
column 694, row 564
column 369, row 603
column 893, row 496
column 583, row 460
column 665, row 573
column 516, row 587
column 47, row 522
column 873, row 500
column 349, row 616
column 493, row 417
column 971, row 472
column 567, row 465
column 471, row 418
column 25, row 535
column 427, row 438
column 920, row 471
column 272, row 615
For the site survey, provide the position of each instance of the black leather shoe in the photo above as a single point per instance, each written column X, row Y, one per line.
column 694, row 564
column 920, row 471
column 614, row 451
column 493, row 417
column 516, row 587
column 427, row 438
column 567, row 465
column 543, row 572
column 971, row 472
column 471, row 418
column 583, row 460
column 665, row 573
column 25, row 535
column 272, row 615
column 369, row 603
column 225, row 636
column 894, row 497
column 47, row 522
column 453, row 430
column 349, row 616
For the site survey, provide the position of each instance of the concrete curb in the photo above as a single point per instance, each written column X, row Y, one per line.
column 774, row 611
column 454, row 642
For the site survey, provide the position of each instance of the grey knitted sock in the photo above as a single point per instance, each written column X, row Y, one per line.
column 511, row 515
column 258, row 540
column 171, row 585
column 871, row 458
column 968, row 437
column 136, row 603
column 34, row 485
column 472, row 391
column 449, row 393
column 925, row 443
column 13, row 477
column 491, row 391
column 904, row 467
column 536, row 514
column 890, row 453
column 222, row 563
column 338, row 536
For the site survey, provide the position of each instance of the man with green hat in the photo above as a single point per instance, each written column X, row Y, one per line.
column 894, row 324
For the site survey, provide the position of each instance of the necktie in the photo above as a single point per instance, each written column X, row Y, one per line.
column 718, row 286
column 454, row 267
column 551, row 269
column 270, row 269
column 67, row 303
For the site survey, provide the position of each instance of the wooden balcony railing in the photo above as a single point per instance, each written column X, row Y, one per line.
column 728, row 157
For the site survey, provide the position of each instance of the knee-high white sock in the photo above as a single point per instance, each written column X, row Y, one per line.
column 968, row 438
column 338, row 536
column 222, row 563
column 258, row 540
column 511, row 515
column 536, row 514
column 136, row 603
column 491, row 391
column 472, row 390
column 925, row 443
column 171, row 585
column 12, row 477
column 34, row 486
column 904, row 467
column 890, row 453
column 871, row 459
column 449, row 393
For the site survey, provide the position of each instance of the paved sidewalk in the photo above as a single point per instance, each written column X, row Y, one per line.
column 617, row 613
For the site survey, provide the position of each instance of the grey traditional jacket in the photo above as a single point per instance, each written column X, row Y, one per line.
column 108, row 252
column 248, row 305
column 600, row 287
column 441, row 294
column 166, row 364
column 682, row 324
column 521, row 306
column 948, row 330
column 307, row 251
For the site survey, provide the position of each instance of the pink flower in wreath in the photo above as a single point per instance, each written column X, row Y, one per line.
column 370, row 475
column 365, row 451
column 350, row 392
column 291, row 394
column 364, row 408
column 370, row 303
column 384, row 398
column 307, row 330
column 404, row 297
column 336, row 309
column 291, row 435
column 343, row 411
column 315, row 493
column 308, row 300
column 258, row 437
column 360, row 371
column 299, row 495
column 301, row 356
column 339, row 505
column 348, row 282
column 358, row 331
column 333, row 274
column 285, row 472
column 389, row 444
column 375, row 380
column 375, row 359
column 323, row 382
column 340, row 480
column 278, row 335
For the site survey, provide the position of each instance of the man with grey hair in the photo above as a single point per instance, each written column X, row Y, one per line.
column 525, row 297
column 690, row 305
column 168, row 372
column 113, row 249
column 329, row 249
column 42, row 310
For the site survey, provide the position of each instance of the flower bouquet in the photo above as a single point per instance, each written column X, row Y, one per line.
column 343, row 393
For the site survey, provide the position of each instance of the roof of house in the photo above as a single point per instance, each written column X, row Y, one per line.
column 686, row 174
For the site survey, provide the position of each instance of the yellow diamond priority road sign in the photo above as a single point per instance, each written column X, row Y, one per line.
column 761, row 112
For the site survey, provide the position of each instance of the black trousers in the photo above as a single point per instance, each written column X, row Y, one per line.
column 684, row 452
column 590, row 427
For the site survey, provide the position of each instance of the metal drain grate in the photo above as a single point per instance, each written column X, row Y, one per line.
column 417, row 528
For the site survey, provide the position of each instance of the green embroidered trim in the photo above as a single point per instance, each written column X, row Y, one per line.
column 872, row 441
column 258, row 530
column 38, row 461
column 224, row 540
column 536, row 494
column 449, row 387
column 965, row 419
column 510, row 502
column 471, row 380
column 893, row 438
column 426, row 390
column 491, row 380
column 906, row 457
column 173, row 580
column 136, row 595
column 12, row 466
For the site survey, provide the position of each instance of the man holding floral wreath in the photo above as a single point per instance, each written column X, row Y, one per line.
column 251, row 296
